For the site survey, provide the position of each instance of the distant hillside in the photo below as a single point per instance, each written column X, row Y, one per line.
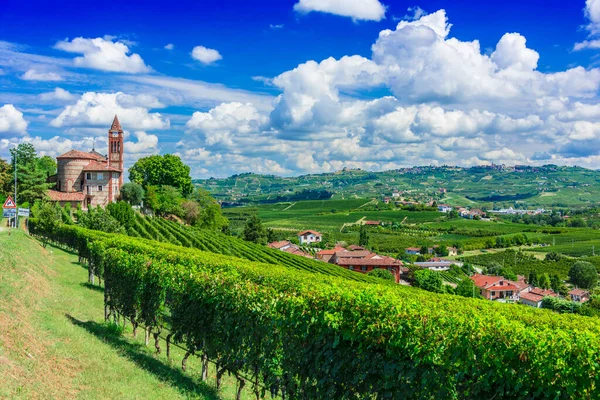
column 546, row 186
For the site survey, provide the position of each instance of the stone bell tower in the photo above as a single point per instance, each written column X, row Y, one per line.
column 115, row 148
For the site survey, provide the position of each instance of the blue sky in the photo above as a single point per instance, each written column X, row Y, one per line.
column 243, row 86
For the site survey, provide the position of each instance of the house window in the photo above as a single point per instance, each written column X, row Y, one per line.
column 363, row 268
column 115, row 175
column 493, row 294
column 88, row 175
column 59, row 185
column 351, row 268
column 99, row 188
column 99, row 176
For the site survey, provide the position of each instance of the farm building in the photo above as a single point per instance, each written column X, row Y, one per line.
column 308, row 237
column 579, row 295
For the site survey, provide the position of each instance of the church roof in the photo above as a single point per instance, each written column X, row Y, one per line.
column 80, row 154
column 65, row 196
column 99, row 166
column 95, row 153
column 116, row 126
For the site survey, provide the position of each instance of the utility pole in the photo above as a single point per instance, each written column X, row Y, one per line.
column 16, row 204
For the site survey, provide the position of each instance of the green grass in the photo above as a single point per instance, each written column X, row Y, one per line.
column 54, row 342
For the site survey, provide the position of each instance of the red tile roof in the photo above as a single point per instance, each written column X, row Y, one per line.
column 543, row 292
column 65, row 196
column 80, row 154
column 579, row 292
column 493, row 283
column 98, row 166
column 330, row 252
column 388, row 261
column 531, row 296
column 353, row 254
column 372, row 222
column 280, row 244
column 309, row 231
column 298, row 252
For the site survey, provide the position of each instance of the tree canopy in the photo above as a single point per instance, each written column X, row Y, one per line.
column 254, row 230
column 429, row 280
column 132, row 193
column 161, row 170
column 583, row 274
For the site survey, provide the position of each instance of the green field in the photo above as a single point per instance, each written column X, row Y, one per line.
column 547, row 186
column 54, row 343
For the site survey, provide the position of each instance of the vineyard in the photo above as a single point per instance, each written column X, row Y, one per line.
column 307, row 335
column 166, row 231
column 522, row 263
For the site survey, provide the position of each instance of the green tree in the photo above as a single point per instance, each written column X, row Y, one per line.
column 429, row 280
column 164, row 200
column 5, row 178
column 191, row 212
column 442, row 250
column 25, row 153
column 254, row 230
column 544, row 281
column 577, row 222
column 47, row 165
column 100, row 220
column 160, row 170
column 553, row 256
column 211, row 215
column 132, row 193
column 363, row 236
column 382, row 273
column 466, row 288
column 583, row 274
column 122, row 212
column 533, row 279
column 424, row 250
column 49, row 216
column 31, row 181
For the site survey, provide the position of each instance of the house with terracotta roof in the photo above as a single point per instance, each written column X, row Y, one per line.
column 413, row 250
column 372, row 223
column 580, row 295
column 308, row 237
column 326, row 255
column 289, row 247
column 535, row 296
column 90, row 179
column 497, row 287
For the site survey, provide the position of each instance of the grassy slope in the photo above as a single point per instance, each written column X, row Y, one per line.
column 54, row 344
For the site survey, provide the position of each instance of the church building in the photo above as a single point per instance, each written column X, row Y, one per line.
column 90, row 178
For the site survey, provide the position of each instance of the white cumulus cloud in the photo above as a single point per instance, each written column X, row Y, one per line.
column 104, row 54
column 206, row 55
column 98, row 109
column 11, row 120
column 59, row 94
column 369, row 10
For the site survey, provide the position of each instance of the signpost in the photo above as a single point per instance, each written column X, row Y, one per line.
column 9, row 209
column 23, row 212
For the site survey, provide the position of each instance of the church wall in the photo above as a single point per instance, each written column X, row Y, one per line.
column 69, row 174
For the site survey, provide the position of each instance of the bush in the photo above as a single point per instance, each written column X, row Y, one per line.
column 383, row 274
column 429, row 280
